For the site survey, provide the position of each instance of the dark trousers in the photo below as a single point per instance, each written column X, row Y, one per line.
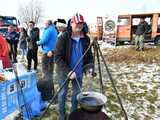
column 32, row 54
column 47, row 83
column 13, row 52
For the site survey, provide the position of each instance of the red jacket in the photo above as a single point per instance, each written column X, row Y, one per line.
column 4, row 52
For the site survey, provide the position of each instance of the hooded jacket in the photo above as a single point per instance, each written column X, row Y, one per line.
column 48, row 40
column 4, row 53
column 63, row 51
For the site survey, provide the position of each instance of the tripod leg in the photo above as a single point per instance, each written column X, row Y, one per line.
column 99, row 69
column 111, row 79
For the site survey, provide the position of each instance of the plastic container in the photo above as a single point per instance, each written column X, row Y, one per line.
column 33, row 108
column 20, row 68
column 11, row 97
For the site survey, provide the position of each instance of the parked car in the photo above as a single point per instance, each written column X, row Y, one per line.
column 6, row 21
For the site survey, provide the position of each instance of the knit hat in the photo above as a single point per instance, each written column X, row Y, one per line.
column 61, row 23
column 77, row 18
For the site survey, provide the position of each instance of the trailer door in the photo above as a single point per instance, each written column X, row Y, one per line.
column 124, row 29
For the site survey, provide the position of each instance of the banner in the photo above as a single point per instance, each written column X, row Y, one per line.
column 110, row 28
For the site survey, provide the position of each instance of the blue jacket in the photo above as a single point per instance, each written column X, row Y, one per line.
column 76, row 54
column 48, row 40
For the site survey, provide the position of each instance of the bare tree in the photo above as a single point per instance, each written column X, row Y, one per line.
column 31, row 10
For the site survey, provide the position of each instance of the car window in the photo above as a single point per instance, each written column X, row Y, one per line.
column 8, row 21
column 123, row 21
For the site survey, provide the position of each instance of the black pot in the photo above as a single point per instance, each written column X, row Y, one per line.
column 80, row 114
column 91, row 101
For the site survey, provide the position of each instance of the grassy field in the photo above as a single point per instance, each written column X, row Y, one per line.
column 151, row 54
column 137, row 78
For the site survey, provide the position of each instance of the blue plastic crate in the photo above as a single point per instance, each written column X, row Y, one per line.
column 11, row 98
column 28, row 95
column 34, row 108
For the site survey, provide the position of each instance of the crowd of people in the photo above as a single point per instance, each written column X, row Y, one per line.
column 61, row 44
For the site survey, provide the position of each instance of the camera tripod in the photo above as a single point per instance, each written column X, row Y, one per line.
column 97, row 55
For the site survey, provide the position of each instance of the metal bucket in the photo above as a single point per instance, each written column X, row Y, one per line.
column 91, row 101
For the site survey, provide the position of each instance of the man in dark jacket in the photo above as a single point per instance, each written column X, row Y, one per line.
column 142, row 29
column 70, row 47
column 12, row 37
column 33, row 37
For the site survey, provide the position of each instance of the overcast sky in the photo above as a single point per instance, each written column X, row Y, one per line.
column 89, row 8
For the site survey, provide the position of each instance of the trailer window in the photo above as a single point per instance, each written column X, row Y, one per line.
column 135, row 21
column 158, row 27
column 123, row 21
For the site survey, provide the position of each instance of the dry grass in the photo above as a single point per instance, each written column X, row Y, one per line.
column 130, row 55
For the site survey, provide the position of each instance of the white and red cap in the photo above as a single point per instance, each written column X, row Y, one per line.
column 77, row 18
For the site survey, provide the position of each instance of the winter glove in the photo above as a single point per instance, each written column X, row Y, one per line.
column 49, row 54
column 71, row 76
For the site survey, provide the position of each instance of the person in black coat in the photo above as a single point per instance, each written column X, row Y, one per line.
column 33, row 37
column 141, row 31
column 70, row 47
column 12, row 37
